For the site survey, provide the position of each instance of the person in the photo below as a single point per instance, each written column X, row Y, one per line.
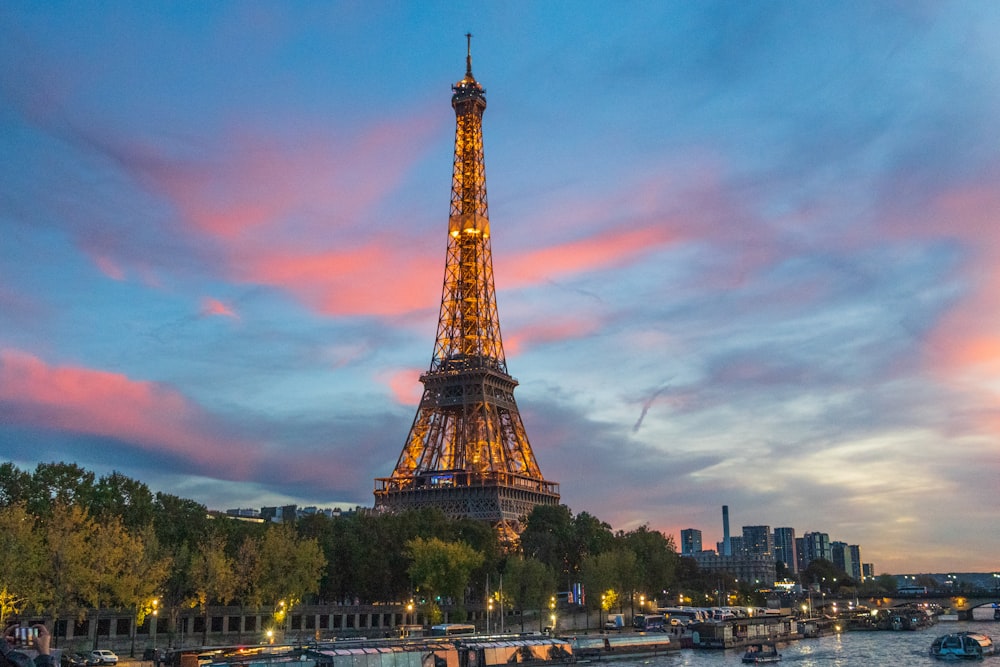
column 10, row 657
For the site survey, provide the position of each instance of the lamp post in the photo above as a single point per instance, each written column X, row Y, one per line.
column 489, row 613
column 156, row 612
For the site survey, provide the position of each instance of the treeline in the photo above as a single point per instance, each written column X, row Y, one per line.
column 70, row 542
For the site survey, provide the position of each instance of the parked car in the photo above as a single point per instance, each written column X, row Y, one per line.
column 73, row 660
column 102, row 656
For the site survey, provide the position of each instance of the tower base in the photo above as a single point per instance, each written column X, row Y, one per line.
column 503, row 500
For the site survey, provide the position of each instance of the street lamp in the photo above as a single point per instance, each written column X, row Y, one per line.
column 489, row 613
column 156, row 611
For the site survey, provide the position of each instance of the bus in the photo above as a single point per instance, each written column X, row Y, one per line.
column 650, row 622
column 684, row 615
column 451, row 629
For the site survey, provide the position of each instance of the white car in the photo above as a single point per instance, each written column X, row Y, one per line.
column 102, row 657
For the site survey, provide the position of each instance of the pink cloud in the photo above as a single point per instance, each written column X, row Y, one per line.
column 146, row 415
column 607, row 249
column 374, row 279
column 549, row 331
column 966, row 341
column 255, row 183
column 109, row 268
column 210, row 306
column 405, row 386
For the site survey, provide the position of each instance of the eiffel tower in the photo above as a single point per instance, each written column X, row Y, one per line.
column 467, row 452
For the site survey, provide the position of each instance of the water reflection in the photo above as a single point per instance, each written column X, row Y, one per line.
column 852, row 649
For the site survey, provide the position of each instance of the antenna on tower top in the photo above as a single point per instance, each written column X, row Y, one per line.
column 468, row 54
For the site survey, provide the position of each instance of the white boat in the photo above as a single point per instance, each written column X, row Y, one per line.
column 761, row 653
column 962, row 646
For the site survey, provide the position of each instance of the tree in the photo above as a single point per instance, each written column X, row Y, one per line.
column 613, row 574
column 21, row 561
column 548, row 537
column 290, row 567
column 442, row 568
column 212, row 575
column 14, row 485
column 62, row 483
column 656, row 558
column 247, row 588
column 120, row 496
column 146, row 569
column 826, row 574
column 67, row 534
column 528, row 583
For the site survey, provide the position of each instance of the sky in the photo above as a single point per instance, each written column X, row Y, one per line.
column 745, row 253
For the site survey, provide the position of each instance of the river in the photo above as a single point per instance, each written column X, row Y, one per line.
column 850, row 649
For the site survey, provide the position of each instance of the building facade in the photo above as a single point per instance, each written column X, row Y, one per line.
column 784, row 548
column 690, row 541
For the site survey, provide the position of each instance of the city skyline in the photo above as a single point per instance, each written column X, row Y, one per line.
column 744, row 255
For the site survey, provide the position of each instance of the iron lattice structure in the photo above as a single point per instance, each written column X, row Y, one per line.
column 467, row 451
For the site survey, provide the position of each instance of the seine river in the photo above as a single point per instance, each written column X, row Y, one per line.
column 860, row 649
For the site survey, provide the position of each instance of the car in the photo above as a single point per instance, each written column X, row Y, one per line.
column 102, row 656
column 73, row 660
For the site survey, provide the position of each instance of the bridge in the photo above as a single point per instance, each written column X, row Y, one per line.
column 969, row 608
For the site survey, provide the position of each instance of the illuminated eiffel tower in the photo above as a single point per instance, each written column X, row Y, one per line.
column 467, row 452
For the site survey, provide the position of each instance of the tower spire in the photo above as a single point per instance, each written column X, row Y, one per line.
column 468, row 54
column 467, row 451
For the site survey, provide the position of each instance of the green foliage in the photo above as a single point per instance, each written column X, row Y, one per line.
column 827, row 575
column 528, row 583
column 614, row 573
column 111, row 542
column 289, row 566
column 442, row 568
column 656, row 559
column 21, row 560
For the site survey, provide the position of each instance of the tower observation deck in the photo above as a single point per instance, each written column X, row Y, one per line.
column 467, row 452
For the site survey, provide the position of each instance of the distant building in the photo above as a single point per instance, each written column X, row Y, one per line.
column 784, row 548
column 813, row 546
column 868, row 570
column 690, row 541
column 856, row 570
column 726, row 549
column 758, row 541
column 294, row 512
column 756, row 571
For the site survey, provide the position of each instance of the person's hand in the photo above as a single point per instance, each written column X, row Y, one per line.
column 43, row 639
column 9, row 634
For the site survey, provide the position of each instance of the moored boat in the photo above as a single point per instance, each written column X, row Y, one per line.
column 760, row 653
column 630, row 645
column 962, row 646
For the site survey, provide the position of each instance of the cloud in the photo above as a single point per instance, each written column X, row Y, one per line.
column 148, row 416
column 211, row 307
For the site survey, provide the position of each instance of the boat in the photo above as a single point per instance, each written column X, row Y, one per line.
column 761, row 653
column 630, row 645
column 962, row 646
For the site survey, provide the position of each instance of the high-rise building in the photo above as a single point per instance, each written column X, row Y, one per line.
column 784, row 548
column 758, row 541
column 856, row 571
column 690, row 541
column 467, row 452
column 840, row 556
column 727, row 547
column 814, row 546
